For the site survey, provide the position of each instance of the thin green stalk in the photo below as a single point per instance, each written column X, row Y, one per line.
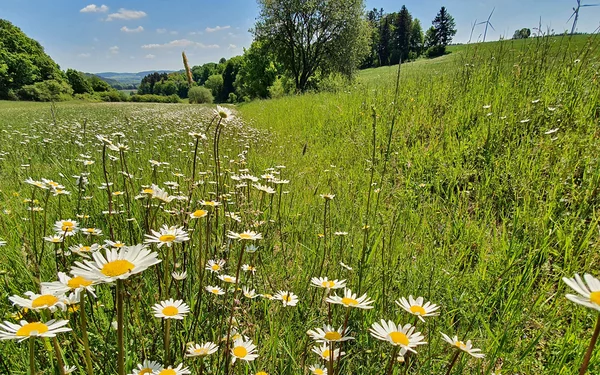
column 32, row 356
column 120, row 340
column 167, row 341
column 237, row 280
column 390, row 366
column 588, row 353
column 453, row 361
column 84, row 335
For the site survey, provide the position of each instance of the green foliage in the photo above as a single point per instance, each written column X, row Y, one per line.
column 201, row 73
column 257, row 72
column 150, row 98
column 445, row 28
column 99, row 85
column 401, row 36
column 232, row 67
column 200, row 95
column 311, row 37
column 79, row 82
column 22, row 62
column 416, row 39
column 46, row 91
column 524, row 33
column 215, row 84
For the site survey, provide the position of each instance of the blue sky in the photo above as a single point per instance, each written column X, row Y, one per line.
column 137, row 35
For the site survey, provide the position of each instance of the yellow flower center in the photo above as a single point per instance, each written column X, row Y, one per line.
column 399, row 338
column 245, row 236
column 147, row 370
column 461, row 345
column 286, row 298
column 261, row 373
column 117, row 268
column 29, row 328
column 201, row 351
column 199, row 213
column 328, row 284
column 67, row 224
column 209, row 203
column 215, row 291
column 167, row 238
column 417, row 310
column 167, row 371
column 349, row 301
column 333, row 336
column 318, row 371
column 170, row 311
column 240, row 352
column 326, row 353
column 78, row 282
column 215, row 267
column 46, row 300
column 85, row 248
column 148, row 191
column 595, row 297
column 223, row 114
column 118, row 244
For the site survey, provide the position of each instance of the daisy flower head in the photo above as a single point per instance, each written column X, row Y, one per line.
column 171, row 309
column 210, row 203
column 24, row 330
column 397, row 335
column 198, row 214
column 351, row 300
column 318, row 370
column 244, row 350
column 84, row 250
column 465, row 347
column 215, row 290
column 288, row 298
column 249, row 268
column 247, row 236
column 167, row 236
column 588, row 295
column 224, row 113
column 66, row 284
column 179, row 370
column 91, row 231
column 197, row 350
column 416, row 307
column 179, row 275
column 54, row 239
column 215, row 266
column 249, row 293
column 328, row 197
column 66, row 227
column 329, row 334
column 325, row 354
column 147, row 368
column 116, row 263
column 161, row 194
column 228, row 279
column 324, row 282
column 2, row 243
column 40, row 301
column 115, row 244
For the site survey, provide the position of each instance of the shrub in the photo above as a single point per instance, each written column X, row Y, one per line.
column 46, row 91
column 436, row 51
column 200, row 95
column 149, row 98
column 277, row 90
column 112, row 96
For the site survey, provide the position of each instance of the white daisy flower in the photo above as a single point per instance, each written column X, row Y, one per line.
column 288, row 298
column 397, row 335
column 91, row 231
column 324, row 282
column 249, row 293
column 161, row 194
column 465, row 347
column 329, row 334
column 116, row 264
column 171, row 309
column 196, row 350
column 249, row 268
column 179, row 275
column 167, row 236
column 215, row 266
column 40, row 301
column 25, row 330
column 66, row 227
column 198, row 214
column 589, row 295
column 248, row 235
column 115, row 244
column 243, row 350
column 210, row 203
column 66, row 284
column 325, row 354
column 351, row 300
column 318, row 370
column 215, row 290
column 83, row 250
column 416, row 307
column 147, row 368
column 227, row 279
column 179, row 370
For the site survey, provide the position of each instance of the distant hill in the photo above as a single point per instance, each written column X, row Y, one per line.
column 127, row 79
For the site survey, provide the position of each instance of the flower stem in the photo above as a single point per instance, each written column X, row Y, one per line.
column 453, row 361
column 237, row 280
column 167, row 341
column 120, row 341
column 86, row 342
column 588, row 354
column 31, row 356
column 392, row 358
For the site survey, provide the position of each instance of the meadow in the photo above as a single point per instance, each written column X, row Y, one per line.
column 472, row 180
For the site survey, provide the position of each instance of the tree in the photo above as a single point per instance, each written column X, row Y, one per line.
column 384, row 43
column 79, row 82
column 232, row 67
column 257, row 73
column 522, row 34
column 416, row 37
column 215, row 84
column 310, row 37
column 430, row 38
column 445, row 28
column 401, row 36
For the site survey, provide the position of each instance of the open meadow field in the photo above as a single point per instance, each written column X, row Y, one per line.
column 471, row 180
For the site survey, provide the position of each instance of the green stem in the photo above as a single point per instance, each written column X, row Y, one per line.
column 237, row 280
column 453, row 361
column 167, row 341
column 86, row 342
column 120, row 341
column 31, row 356
column 588, row 354
column 392, row 359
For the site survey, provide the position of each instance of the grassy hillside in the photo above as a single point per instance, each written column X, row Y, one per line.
column 474, row 186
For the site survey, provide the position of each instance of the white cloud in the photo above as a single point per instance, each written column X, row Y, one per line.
column 180, row 43
column 161, row 31
column 196, row 33
column 150, row 56
column 126, row 29
column 125, row 14
column 114, row 50
column 173, row 32
column 92, row 8
column 216, row 28
column 84, row 55
column 232, row 46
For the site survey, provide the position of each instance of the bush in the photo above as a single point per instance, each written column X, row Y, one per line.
column 112, row 96
column 46, row 91
column 277, row 90
column 200, row 95
column 149, row 98
column 436, row 51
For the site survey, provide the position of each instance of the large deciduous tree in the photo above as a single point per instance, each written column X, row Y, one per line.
column 310, row 37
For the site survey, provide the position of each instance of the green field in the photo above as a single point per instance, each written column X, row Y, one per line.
column 475, row 184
